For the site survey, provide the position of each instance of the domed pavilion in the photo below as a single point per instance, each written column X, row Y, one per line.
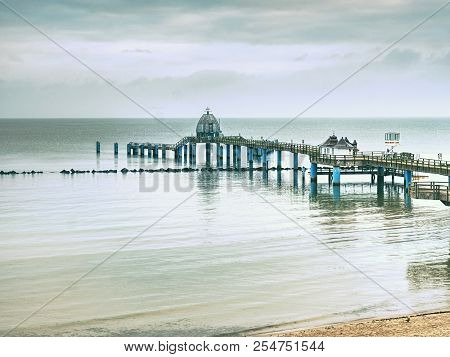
column 208, row 126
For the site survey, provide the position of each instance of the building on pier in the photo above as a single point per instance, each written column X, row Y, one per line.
column 333, row 146
column 208, row 126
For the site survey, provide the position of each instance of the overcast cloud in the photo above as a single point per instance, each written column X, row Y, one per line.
column 243, row 58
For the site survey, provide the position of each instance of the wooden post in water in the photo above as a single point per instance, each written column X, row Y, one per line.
column 116, row 149
column 98, row 147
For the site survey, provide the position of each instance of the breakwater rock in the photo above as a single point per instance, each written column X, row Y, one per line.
column 20, row 173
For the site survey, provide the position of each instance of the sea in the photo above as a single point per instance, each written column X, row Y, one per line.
column 210, row 253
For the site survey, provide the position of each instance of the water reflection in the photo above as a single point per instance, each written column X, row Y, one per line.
column 429, row 274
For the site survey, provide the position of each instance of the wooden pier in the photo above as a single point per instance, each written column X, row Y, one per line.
column 431, row 191
column 377, row 164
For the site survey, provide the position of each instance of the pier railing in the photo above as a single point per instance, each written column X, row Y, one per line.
column 365, row 159
column 431, row 191
column 373, row 159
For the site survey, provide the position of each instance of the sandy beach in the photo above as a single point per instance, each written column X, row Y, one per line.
column 435, row 324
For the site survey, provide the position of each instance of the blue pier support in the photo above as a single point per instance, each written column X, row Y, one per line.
column 303, row 173
column 116, row 149
column 408, row 179
column 279, row 160
column 336, row 192
column 220, row 163
column 336, row 176
column 128, row 149
column 180, row 153
column 135, row 150
column 264, row 159
column 163, row 151
column 185, row 152
column 313, row 172
column 141, row 150
column 208, row 154
column 295, row 178
column 228, row 154
column 194, row 153
column 190, row 156
column 149, row 151
column 250, row 158
column 155, row 151
column 295, row 161
column 97, row 147
column 238, row 156
column 218, row 154
column 313, row 189
column 380, row 175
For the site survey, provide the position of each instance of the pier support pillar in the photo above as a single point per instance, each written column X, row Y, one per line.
column 194, row 153
column 336, row 176
column 155, row 151
column 116, row 149
column 279, row 160
column 128, row 149
column 238, row 156
column 313, row 171
column 408, row 179
column 295, row 159
column 228, row 154
column 303, row 173
column 250, row 158
column 149, row 151
column 218, row 153
column 313, row 189
column 163, row 151
column 190, row 154
column 380, row 175
column 135, row 150
column 97, row 146
column 336, row 192
column 185, row 152
column 208, row 154
column 264, row 159
column 141, row 148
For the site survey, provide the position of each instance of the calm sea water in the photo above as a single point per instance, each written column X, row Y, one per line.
column 221, row 253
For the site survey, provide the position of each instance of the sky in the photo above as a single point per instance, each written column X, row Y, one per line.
column 246, row 58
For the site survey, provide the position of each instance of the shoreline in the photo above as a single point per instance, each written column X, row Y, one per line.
column 426, row 324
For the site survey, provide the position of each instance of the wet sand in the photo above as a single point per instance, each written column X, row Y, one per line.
column 435, row 324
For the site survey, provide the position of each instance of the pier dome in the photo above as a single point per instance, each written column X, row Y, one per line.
column 208, row 126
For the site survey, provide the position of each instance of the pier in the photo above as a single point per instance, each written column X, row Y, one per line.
column 376, row 164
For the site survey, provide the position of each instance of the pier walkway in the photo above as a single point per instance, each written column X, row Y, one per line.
column 229, row 148
column 429, row 166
